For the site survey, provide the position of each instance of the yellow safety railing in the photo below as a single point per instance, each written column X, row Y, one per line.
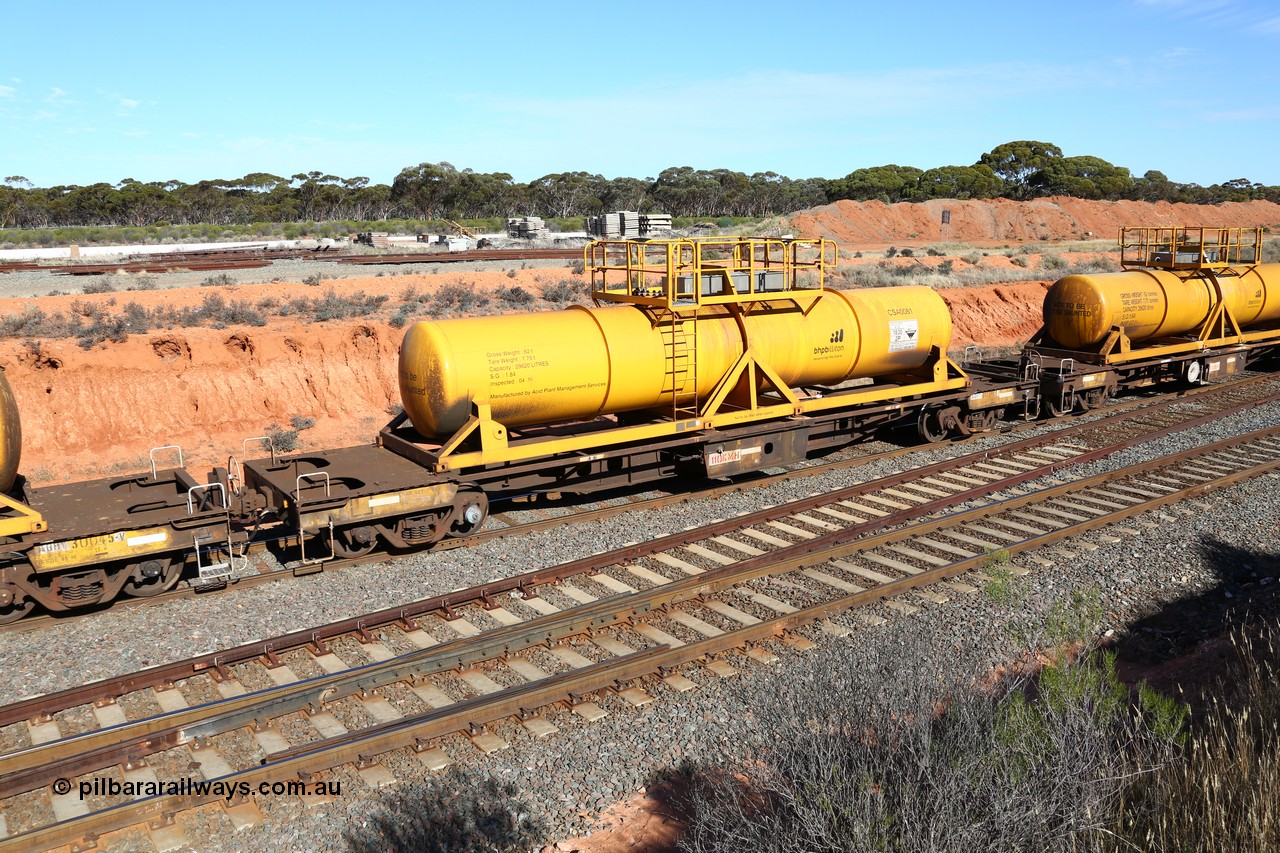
column 686, row 273
column 1185, row 247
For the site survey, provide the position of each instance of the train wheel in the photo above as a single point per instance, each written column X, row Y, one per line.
column 152, row 577
column 1055, row 407
column 14, row 605
column 470, row 509
column 929, row 424
column 351, row 542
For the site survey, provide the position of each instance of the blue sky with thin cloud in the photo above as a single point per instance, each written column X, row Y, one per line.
column 101, row 92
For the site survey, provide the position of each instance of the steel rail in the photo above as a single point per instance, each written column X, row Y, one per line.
column 30, row 768
column 362, row 745
column 472, row 255
column 40, row 707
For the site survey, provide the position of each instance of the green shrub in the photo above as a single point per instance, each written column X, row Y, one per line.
column 281, row 440
column 515, row 295
column 457, row 299
column 333, row 306
column 565, row 290
column 400, row 317
column 461, row 812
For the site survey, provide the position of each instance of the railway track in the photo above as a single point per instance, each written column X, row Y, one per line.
column 462, row 662
column 516, row 520
column 248, row 258
column 458, row 257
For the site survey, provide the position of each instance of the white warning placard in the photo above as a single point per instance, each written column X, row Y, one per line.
column 903, row 334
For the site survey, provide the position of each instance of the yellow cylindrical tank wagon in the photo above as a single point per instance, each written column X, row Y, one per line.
column 583, row 362
column 1080, row 310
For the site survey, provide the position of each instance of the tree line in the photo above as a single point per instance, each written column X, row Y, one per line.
column 1019, row 170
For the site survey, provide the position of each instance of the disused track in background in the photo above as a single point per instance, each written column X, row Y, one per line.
column 1223, row 399
column 253, row 257
column 456, row 257
column 876, row 541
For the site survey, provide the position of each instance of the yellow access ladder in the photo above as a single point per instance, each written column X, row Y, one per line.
column 681, row 344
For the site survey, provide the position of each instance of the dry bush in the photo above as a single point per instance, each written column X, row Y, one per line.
column 1271, row 250
column 401, row 317
column 333, row 306
column 565, row 290
column 515, row 295
column 461, row 812
column 1224, row 792
column 281, row 440
column 888, row 751
column 102, row 285
column 457, row 299
column 1102, row 264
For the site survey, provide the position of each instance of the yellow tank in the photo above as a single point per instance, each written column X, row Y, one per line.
column 10, row 435
column 1080, row 310
column 583, row 362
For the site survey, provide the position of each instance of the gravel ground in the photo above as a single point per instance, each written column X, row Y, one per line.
column 575, row 774
column 1215, row 552
column 202, row 624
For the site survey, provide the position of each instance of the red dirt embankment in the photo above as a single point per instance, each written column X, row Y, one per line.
column 1002, row 221
column 202, row 389
column 1001, row 316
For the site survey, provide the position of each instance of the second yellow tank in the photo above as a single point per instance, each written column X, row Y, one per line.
column 585, row 361
column 1079, row 310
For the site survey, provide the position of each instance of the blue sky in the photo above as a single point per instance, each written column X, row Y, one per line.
column 154, row 91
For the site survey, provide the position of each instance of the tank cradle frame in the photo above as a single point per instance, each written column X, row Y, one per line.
column 483, row 443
